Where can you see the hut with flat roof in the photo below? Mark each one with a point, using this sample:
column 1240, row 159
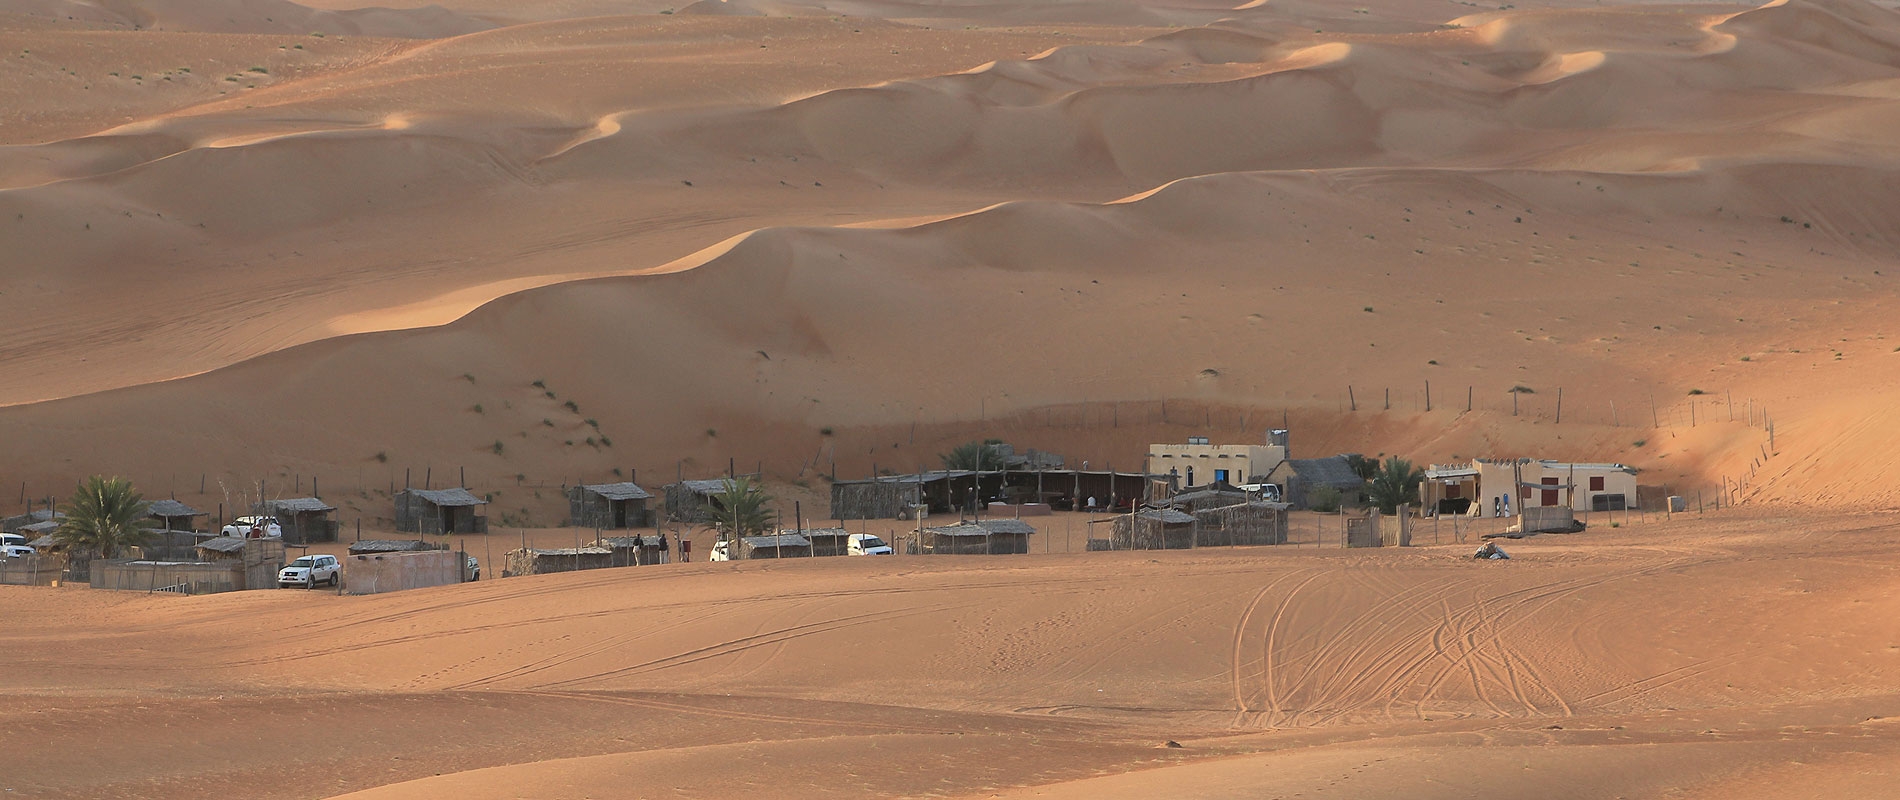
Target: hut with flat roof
column 826, row 541
column 687, row 501
column 303, row 519
column 609, row 506
column 15, row 523
column 1298, row 477
column 440, row 511
column 370, row 546
column 538, row 561
column 783, row 545
column 175, row 516
column 986, row 537
column 635, row 551
column 1154, row 529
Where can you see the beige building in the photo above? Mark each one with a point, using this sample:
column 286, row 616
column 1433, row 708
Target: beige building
column 1492, row 487
column 1199, row 462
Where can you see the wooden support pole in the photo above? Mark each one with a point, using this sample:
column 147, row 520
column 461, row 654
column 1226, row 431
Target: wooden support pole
column 1350, row 399
column 1428, row 395
column 1560, row 405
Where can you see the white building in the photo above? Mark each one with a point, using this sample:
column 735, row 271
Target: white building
column 1503, row 487
column 1200, row 462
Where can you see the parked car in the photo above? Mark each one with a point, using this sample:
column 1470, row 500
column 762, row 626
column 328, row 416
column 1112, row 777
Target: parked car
column 12, row 539
column 471, row 569
column 864, row 544
column 1269, row 492
column 16, row 551
column 254, row 528
column 309, row 571
column 721, row 551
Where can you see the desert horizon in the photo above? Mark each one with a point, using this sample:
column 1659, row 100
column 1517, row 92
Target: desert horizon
column 258, row 250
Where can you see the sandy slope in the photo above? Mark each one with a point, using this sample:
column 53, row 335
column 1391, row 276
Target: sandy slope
column 1474, row 184
column 1658, row 660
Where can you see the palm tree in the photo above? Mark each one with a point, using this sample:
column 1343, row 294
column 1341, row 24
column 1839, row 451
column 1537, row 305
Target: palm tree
column 1395, row 484
column 105, row 515
column 741, row 510
column 974, row 456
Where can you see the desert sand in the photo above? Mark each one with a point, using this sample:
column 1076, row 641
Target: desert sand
column 262, row 248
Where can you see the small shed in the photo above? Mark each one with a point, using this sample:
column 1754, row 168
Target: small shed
column 534, row 561
column 15, row 523
column 630, row 551
column 440, row 511
column 371, row 546
column 609, row 506
column 687, row 501
column 303, row 519
column 1215, row 495
column 784, row 545
column 175, row 516
column 259, row 559
column 1299, row 476
column 827, row 541
column 990, row 536
column 1154, row 529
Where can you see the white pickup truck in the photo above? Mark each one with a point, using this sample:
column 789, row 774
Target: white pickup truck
column 254, row 528
column 309, row 571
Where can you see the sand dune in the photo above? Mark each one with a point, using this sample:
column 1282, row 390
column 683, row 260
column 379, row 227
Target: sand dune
column 1646, row 661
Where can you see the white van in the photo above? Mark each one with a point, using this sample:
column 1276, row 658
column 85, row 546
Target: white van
column 864, row 544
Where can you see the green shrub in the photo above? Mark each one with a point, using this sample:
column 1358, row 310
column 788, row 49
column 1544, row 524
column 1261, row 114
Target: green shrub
column 1324, row 499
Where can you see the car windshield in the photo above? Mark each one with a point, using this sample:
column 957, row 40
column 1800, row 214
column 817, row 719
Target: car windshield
column 306, row 561
column 871, row 541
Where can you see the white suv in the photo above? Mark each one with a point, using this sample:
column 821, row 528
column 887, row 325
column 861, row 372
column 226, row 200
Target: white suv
column 309, row 571
column 16, row 551
column 254, row 528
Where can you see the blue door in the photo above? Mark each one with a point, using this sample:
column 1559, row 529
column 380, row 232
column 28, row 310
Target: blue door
column 1220, row 475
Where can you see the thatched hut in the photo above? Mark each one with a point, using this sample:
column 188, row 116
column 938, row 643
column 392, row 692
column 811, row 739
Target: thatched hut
column 988, row 537
column 175, row 516
column 688, row 501
column 1154, row 529
column 630, row 551
column 440, row 511
column 303, row 519
column 1214, row 495
column 1298, row 477
column 784, row 545
column 372, row 546
column 257, row 559
column 535, row 561
column 609, row 506
column 15, row 523
column 826, row 541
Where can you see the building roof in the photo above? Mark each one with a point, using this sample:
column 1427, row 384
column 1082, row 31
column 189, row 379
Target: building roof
column 389, row 546
column 818, row 533
column 41, row 527
column 173, row 508
column 1332, row 471
column 569, row 551
column 1013, row 526
column 298, row 505
column 958, row 474
column 708, row 486
column 222, row 544
column 1440, row 473
column 623, row 542
column 1599, row 467
column 617, row 491
column 781, row 540
column 1199, row 495
column 964, row 529
column 43, row 542
column 449, row 498
column 1167, row 516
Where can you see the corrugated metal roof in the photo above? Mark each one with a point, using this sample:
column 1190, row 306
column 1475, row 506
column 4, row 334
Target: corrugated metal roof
column 1167, row 516
column 222, row 544
column 43, row 542
column 451, row 498
column 1013, row 526
column 618, row 491
column 41, row 527
column 958, row 530
column 818, row 533
column 173, row 508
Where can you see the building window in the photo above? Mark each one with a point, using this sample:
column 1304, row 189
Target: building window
column 1596, row 483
